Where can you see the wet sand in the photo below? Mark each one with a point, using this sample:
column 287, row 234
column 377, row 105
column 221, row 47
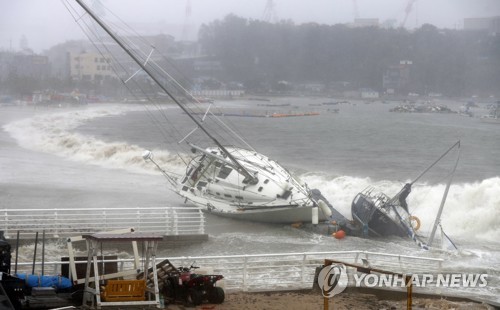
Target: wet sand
column 311, row 300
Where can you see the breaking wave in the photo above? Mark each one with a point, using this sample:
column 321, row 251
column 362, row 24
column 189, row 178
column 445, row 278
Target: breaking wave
column 472, row 210
column 53, row 133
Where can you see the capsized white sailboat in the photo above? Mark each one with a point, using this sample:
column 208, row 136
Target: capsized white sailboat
column 221, row 177
column 269, row 194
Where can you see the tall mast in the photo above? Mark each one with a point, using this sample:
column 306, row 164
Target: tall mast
column 249, row 178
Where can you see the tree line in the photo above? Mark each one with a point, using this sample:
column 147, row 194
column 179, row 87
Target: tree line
column 258, row 53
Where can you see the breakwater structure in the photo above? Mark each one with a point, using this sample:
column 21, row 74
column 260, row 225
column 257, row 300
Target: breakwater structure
column 269, row 115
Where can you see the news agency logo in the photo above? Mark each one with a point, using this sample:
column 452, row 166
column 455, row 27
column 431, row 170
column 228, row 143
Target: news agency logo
column 332, row 280
column 421, row 280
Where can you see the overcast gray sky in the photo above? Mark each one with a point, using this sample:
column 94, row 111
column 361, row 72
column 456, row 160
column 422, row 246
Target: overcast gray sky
column 46, row 23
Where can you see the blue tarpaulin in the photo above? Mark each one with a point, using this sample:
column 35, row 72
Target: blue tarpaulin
column 45, row 281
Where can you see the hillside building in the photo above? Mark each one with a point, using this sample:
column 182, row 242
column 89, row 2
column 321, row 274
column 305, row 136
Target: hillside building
column 88, row 66
column 22, row 64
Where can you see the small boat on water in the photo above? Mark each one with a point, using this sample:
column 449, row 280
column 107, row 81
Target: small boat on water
column 379, row 215
column 224, row 175
column 493, row 117
column 274, row 104
column 382, row 216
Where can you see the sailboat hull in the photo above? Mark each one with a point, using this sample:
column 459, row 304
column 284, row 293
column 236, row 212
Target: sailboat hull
column 277, row 214
column 381, row 223
column 284, row 215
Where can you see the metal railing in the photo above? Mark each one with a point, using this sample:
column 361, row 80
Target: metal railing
column 76, row 221
column 283, row 271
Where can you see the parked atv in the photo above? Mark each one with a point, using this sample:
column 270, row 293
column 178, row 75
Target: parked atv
column 185, row 286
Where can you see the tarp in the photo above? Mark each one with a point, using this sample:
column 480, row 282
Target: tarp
column 45, row 281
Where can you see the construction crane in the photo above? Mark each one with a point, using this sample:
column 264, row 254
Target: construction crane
column 187, row 15
column 270, row 12
column 409, row 7
column 355, row 9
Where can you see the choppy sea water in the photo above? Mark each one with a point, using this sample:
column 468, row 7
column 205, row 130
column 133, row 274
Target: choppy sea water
column 339, row 153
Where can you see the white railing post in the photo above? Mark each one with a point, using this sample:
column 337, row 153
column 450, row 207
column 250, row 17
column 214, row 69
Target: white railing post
column 6, row 221
column 138, row 220
column 303, row 269
column 245, row 261
column 202, row 222
column 56, row 221
column 175, row 228
column 105, row 219
column 167, row 226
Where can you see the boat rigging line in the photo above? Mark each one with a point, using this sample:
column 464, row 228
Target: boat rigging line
column 434, row 163
column 249, row 178
column 90, row 32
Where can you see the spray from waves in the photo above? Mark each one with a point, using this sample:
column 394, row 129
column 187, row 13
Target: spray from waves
column 340, row 191
column 52, row 133
column 471, row 211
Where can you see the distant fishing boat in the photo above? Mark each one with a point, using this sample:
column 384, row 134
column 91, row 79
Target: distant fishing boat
column 258, row 99
column 493, row 116
column 274, row 105
column 224, row 175
column 334, row 102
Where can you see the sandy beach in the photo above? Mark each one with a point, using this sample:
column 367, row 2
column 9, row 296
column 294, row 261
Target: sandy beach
column 311, row 300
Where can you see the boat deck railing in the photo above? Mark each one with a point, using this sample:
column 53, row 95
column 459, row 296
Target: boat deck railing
column 57, row 223
column 263, row 272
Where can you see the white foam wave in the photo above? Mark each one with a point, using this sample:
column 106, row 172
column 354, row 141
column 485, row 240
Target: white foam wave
column 53, row 133
column 471, row 211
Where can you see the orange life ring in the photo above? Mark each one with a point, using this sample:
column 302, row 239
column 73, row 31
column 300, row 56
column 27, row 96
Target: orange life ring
column 417, row 220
